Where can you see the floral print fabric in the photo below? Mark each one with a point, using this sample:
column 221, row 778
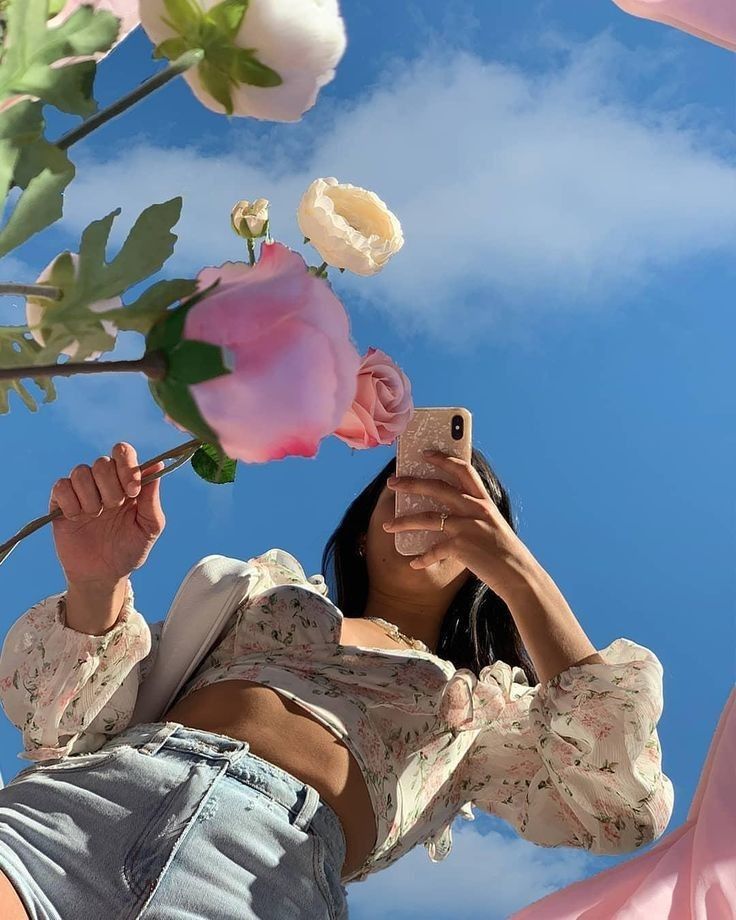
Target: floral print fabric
column 574, row 762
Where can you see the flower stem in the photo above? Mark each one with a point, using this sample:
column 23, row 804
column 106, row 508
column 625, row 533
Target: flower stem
column 31, row 290
column 153, row 364
column 182, row 63
column 183, row 453
column 322, row 270
column 251, row 251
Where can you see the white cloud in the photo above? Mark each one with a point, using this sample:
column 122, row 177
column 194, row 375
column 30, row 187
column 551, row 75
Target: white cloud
column 488, row 876
column 518, row 193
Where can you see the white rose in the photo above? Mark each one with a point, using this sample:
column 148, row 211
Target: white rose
column 249, row 219
column 36, row 307
column 349, row 226
column 301, row 40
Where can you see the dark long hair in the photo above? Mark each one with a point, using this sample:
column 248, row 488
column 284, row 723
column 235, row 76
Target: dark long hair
column 477, row 628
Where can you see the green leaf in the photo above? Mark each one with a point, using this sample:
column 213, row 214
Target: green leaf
column 31, row 47
column 90, row 338
column 39, row 168
column 18, row 349
column 248, row 70
column 228, row 15
column 217, row 83
column 193, row 361
column 141, row 315
column 213, row 465
column 148, row 246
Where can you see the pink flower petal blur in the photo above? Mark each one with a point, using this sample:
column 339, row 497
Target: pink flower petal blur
column 295, row 366
column 712, row 20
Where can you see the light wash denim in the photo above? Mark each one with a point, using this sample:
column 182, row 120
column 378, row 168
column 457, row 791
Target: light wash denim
column 167, row 822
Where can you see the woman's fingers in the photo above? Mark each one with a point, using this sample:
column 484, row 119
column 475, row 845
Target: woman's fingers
column 108, row 483
column 65, row 499
column 420, row 520
column 86, row 489
column 126, row 463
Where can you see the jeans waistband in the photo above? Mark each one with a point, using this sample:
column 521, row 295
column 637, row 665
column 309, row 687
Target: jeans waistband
column 299, row 798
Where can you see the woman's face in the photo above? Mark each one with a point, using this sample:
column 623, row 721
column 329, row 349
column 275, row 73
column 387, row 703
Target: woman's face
column 387, row 568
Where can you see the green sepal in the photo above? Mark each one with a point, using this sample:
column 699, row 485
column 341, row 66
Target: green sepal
column 192, row 361
column 171, row 48
column 218, row 84
column 227, row 16
column 168, row 331
column 246, row 69
column 173, row 394
column 176, row 400
column 185, row 15
column 213, row 465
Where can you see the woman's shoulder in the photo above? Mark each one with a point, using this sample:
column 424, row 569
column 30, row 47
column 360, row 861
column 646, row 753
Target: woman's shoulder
column 284, row 560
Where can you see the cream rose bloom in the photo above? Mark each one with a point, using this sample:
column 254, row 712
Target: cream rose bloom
column 349, row 226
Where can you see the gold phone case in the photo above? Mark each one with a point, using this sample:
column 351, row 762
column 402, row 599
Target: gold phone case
column 429, row 428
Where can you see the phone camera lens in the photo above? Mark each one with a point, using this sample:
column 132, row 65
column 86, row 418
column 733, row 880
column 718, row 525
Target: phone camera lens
column 457, row 427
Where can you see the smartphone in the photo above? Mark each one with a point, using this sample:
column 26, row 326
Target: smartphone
column 448, row 429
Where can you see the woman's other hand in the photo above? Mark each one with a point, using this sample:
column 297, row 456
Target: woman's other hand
column 108, row 524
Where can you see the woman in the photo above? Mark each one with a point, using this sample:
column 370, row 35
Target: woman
column 317, row 742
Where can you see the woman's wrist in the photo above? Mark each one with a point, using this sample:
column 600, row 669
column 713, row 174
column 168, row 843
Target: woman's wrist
column 547, row 625
column 94, row 606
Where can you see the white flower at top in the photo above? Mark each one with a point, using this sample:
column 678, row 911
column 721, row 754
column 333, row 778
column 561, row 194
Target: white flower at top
column 265, row 59
column 350, row 227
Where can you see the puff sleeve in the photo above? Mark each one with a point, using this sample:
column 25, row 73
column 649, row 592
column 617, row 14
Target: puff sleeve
column 67, row 691
column 575, row 761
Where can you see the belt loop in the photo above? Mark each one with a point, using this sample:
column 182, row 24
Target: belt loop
column 308, row 809
column 158, row 739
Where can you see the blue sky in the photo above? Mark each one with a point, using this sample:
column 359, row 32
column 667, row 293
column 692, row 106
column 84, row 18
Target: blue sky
column 565, row 177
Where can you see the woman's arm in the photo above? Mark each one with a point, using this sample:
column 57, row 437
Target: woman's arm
column 548, row 627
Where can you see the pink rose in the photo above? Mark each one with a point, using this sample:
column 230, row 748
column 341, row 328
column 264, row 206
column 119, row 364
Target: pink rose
column 125, row 10
column 293, row 362
column 382, row 407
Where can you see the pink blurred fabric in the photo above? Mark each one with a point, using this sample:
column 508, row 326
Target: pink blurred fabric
column 689, row 875
column 713, row 20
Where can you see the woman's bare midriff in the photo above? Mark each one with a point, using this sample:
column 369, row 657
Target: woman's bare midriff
column 289, row 736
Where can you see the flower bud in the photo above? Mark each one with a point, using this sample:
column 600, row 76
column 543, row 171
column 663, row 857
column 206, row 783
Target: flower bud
column 250, row 219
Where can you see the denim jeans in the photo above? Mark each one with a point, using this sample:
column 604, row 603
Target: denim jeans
column 166, row 822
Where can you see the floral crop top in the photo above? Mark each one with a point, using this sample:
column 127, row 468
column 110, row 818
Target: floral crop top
column 574, row 761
